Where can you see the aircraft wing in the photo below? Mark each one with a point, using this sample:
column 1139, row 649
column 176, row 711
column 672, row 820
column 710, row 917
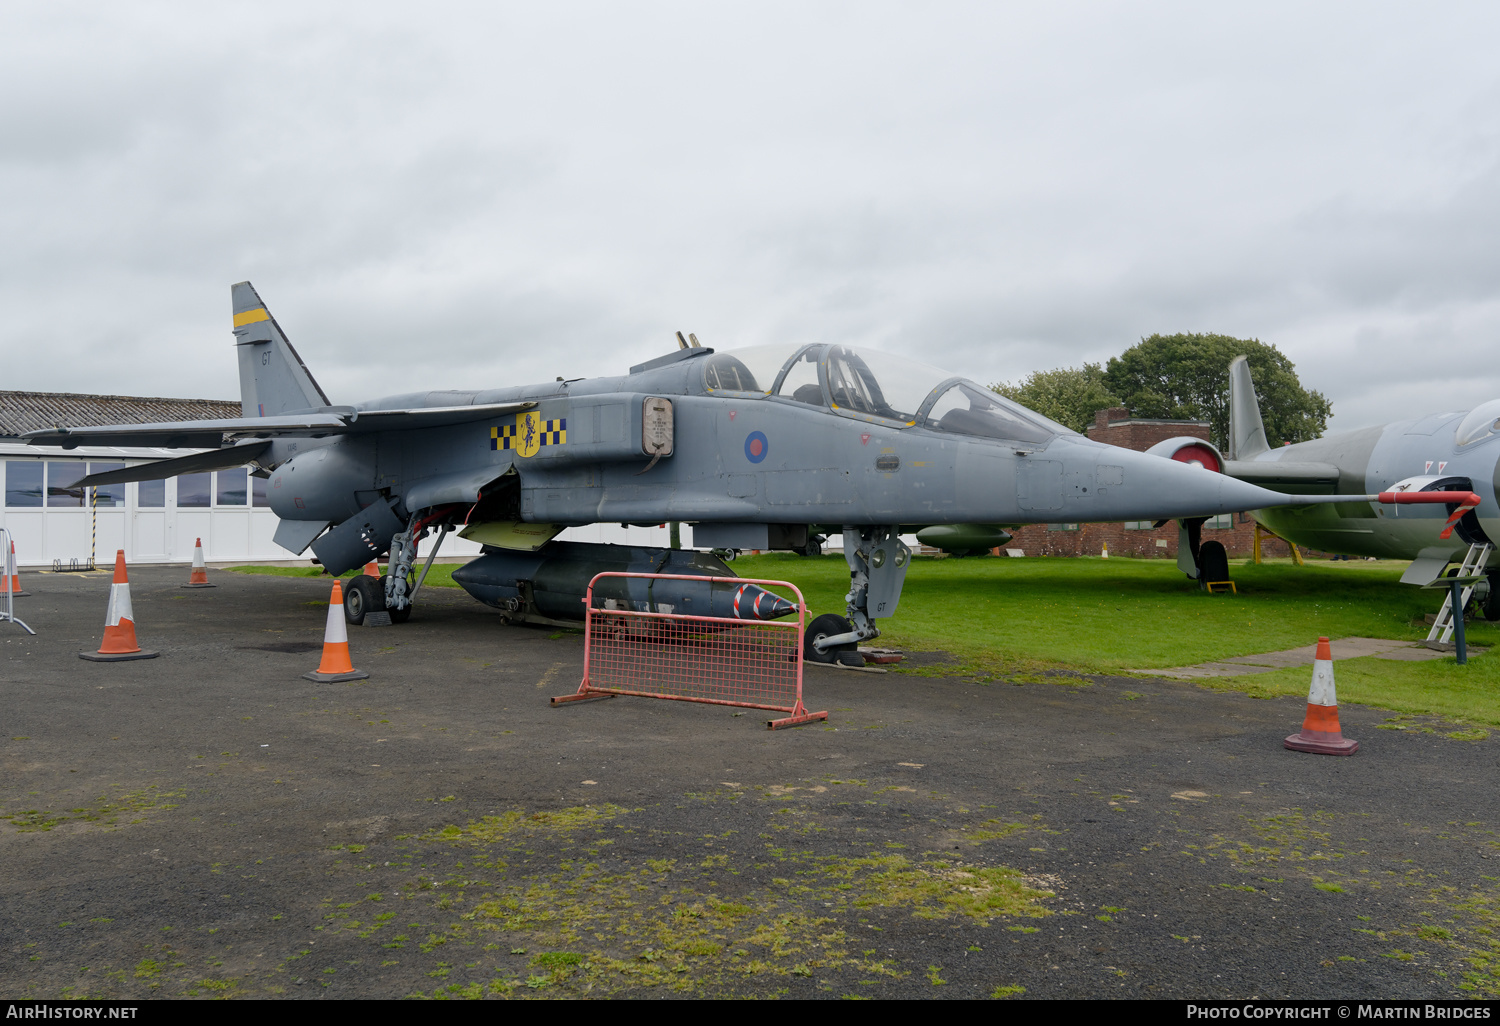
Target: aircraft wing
column 434, row 416
column 1269, row 473
column 210, row 434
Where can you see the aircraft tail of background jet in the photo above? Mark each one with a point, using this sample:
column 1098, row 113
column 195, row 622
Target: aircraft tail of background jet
column 1247, row 433
column 273, row 379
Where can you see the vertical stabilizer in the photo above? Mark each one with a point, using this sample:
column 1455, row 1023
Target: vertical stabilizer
column 273, row 378
column 1247, row 434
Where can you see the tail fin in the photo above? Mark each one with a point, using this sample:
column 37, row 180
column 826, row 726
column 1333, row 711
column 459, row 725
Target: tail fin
column 1247, row 434
column 273, row 378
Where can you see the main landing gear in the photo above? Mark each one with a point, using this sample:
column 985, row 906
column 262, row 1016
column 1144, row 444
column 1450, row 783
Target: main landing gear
column 394, row 594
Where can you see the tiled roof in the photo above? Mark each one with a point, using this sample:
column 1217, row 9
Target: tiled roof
column 32, row 411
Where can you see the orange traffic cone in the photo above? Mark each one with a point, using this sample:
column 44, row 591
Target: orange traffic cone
column 372, row 569
column 335, row 665
column 119, row 623
column 199, row 577
column 10, row 579
column 1320, row 728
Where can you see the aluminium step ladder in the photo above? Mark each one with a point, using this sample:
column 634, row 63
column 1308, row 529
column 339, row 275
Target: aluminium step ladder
column 1473, row 565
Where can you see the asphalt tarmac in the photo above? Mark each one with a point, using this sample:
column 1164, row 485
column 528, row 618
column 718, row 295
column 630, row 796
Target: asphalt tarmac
column 207, row 823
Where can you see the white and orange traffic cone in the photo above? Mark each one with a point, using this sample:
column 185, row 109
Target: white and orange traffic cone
column 335, row 665
column 199, row 577
column 10, row 579
column 1104, row 551
column 372, row 569
column 119, row 623
column 1320, row 727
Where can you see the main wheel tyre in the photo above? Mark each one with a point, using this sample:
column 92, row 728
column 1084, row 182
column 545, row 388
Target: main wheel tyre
column 361, row 597
column 1213, row 563
column 1491, row 605
column 826, row 626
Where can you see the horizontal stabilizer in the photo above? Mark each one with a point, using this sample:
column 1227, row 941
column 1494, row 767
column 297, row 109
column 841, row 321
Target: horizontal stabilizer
column 210, row 434
column 219, row 459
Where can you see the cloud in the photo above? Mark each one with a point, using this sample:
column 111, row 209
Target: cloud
column 477, row 194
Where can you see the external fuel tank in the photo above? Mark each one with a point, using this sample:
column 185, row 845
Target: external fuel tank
column 551, row 583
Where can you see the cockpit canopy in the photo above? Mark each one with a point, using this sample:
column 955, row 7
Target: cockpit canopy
column 1482, row 422
column 867, row 384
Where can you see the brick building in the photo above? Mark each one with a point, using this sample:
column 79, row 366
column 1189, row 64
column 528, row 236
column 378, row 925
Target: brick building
column 1236, row 532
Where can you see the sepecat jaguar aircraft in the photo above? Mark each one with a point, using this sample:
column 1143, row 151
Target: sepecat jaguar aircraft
column 750, row 446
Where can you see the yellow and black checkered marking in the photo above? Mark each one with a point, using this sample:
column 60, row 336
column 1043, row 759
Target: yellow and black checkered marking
column 528, row 434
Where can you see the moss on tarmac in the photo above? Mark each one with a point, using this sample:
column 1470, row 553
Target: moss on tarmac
column 208, row 824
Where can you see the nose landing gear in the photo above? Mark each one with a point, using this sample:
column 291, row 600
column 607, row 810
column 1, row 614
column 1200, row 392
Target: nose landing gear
column 878, row 561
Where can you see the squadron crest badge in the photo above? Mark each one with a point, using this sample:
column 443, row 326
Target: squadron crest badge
column 529, row 433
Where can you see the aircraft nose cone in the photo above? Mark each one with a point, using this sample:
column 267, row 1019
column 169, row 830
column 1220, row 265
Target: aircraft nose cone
column 1156, row 488
column 752, row 602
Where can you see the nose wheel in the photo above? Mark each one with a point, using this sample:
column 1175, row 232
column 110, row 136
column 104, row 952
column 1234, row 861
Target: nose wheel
column 826, row 626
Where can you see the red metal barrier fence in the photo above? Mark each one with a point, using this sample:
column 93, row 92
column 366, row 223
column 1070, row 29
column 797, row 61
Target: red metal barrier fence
column 754, row 664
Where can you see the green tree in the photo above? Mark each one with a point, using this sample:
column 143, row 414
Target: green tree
column 1186, row 377
column 1069, row 395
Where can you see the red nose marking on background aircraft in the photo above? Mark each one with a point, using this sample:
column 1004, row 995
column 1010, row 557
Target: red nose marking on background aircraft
column 1197, row 456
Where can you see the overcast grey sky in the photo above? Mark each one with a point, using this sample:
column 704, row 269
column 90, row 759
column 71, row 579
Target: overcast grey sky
column 456, row 195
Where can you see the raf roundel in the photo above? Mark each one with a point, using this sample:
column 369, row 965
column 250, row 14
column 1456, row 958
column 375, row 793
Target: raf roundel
column 756, row 446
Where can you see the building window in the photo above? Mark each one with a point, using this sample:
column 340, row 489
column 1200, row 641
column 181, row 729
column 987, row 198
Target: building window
column 259, row 491
column 1062, row 527
column 229, row 486
column 1139, row 525
column 151, row 494
column 23, row 483
column 194, row 491
column 61, row 481
column 1220, row 523
column 111, row 495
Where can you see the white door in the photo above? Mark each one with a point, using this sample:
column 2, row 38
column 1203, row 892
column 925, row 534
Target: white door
column 148, row 538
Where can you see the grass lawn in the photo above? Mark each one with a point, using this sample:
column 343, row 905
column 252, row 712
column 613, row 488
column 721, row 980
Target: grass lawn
column 440, row 576
column 1016, row 617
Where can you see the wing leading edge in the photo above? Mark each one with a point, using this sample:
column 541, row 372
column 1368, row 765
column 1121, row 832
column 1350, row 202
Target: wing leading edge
column 211, row 434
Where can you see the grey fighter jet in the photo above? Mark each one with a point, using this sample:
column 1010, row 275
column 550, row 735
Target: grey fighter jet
column 1440, row 452
column 751, row 446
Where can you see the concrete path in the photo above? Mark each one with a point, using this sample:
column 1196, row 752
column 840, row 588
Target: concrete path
column 1344, row 648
